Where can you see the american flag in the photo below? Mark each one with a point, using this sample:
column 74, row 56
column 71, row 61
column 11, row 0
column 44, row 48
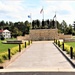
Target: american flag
column 41, row 10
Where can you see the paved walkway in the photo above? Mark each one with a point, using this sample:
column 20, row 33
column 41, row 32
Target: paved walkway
column 41, row 55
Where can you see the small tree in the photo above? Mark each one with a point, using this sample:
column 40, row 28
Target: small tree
column 16, row 32
column 33, row 24
column 38, row 23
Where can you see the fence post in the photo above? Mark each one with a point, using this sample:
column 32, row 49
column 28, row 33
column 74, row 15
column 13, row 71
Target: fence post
column 71, row 52
column 19, row 47
column 63, row 46
column 25, row 44
column 9, row 56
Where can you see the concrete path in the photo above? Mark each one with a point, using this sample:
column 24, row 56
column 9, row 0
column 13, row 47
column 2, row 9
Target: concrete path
column 41, row 55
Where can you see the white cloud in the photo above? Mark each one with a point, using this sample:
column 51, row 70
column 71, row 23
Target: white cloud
column 12, row 8
column 64, row 10
column 18, row 10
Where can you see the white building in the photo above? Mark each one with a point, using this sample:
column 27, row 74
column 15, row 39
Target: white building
column 6, row 33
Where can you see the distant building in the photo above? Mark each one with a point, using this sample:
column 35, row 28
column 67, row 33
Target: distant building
column 5, row 33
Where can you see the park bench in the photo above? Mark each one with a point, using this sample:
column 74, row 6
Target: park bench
column 14, row 42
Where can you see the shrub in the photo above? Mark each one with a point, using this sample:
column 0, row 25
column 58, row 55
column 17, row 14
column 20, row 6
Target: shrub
column 27, row 43
column 2, row 38
column 74, row 52
column 22, row 45
column 1, row 60
column 61, row 44
column 14, row 50
column 67, row 48
column 3, row 57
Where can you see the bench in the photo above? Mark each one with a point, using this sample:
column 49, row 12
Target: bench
column 14, row 42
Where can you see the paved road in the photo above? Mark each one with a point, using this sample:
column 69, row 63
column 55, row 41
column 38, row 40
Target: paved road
column 40, row 55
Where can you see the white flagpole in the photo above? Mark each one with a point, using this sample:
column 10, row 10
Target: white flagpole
column 31, row 19
column 55, row 20
column 43, row 13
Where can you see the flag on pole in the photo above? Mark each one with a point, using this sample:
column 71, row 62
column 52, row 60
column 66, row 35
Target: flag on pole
column 41, row 11
column 29, row 16
column 54, row 16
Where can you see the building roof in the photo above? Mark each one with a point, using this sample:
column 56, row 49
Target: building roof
column 6, row 30
column 1, row 31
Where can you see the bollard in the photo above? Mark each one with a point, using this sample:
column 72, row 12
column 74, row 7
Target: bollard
column 63, row 46
column 56, row 41
column 71, row 52
column 29, row 42
column 9, row 56
column 19, row 47
column 59, row 43
column 25, row 44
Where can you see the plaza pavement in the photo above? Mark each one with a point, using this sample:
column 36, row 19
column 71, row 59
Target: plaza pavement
column 41, row 56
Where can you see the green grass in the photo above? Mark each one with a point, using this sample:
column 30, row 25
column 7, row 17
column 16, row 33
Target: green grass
column 71, row 44
column 4, row 47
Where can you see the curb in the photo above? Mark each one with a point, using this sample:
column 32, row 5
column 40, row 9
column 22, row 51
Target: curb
column 65, row 55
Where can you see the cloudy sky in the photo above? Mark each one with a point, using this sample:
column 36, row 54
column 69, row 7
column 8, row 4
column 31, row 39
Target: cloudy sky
column 18, row 10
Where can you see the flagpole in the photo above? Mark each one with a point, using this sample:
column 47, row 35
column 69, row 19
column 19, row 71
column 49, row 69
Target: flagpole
column 43, row 13
column 55, row 21
column 31, row 19
column 30, row 16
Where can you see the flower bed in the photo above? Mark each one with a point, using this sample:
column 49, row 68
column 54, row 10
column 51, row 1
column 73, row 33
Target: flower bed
column 14, row 50
column 66, row 47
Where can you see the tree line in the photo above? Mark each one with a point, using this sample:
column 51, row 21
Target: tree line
column 16, row 28
column 62, row 27
column 37, row 24
column 22, row 28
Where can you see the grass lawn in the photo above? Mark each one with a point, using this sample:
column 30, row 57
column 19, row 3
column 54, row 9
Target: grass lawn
column 71, row 44
column 4, row 47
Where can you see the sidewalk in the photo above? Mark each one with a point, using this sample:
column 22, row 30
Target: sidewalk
column 41, row 55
